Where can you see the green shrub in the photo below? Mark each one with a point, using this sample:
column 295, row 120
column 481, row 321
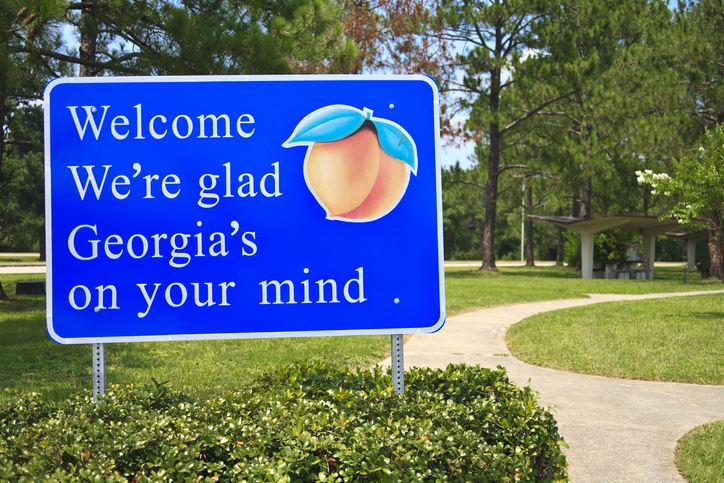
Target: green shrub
column 305, row 422
column 572, row 248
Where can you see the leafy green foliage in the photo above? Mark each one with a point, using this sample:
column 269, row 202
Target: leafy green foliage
column 463, row 201
column 698, row 44
column 21, row 181
column 698, row 178
column 698, row 183
column 613, row 244
column 305, row 422
column 493, row 37
column 572, row 253
column 462, row 212
column 217, row 37
column 21, row 124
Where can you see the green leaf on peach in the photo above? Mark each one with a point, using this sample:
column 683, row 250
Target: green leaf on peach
column 326, row 125
column 396, row 142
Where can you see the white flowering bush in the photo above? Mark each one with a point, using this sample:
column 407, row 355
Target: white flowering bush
column 655, row 180
column 698, row 182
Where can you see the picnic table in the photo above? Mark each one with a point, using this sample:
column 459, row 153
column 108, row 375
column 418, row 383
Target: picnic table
column 621, row 269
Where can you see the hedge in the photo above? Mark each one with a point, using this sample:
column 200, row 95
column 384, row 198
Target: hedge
column 305, row 422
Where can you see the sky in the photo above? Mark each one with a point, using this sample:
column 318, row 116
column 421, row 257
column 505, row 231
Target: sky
column 451, row 155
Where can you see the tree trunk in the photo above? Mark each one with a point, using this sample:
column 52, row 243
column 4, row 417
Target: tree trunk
column 3, row 295
column 491, row 195
column 576, row 213
column 87, row 47
column 716, row 246
column 586, row 198
column 529, row 228
column 491, row 188
column 560, row 250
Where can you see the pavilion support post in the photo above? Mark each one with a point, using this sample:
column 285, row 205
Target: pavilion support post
column 587, row 255
column 691, row 255
column 648, row 253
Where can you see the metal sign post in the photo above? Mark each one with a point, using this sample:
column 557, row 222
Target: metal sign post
column 398, row 365
column 99, row 371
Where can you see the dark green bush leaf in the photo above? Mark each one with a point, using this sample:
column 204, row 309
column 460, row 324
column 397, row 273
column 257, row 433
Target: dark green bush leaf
column 305, row 422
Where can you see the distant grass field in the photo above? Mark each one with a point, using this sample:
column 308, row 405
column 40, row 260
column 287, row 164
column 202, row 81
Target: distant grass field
column 467, row 289
column 18, row 259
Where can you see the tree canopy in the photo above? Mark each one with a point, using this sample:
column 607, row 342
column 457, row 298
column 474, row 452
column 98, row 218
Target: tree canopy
column 597, row 91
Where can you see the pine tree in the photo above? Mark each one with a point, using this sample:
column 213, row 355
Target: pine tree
column 497, row 36
column 626, row 107
column 22, row 78
column 699, row 51
column 699, row 45
column 157, row 37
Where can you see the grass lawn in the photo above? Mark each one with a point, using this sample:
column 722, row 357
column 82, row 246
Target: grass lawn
column 677, row 339
column 31, row 362
column 700, row 454
column 466, row 289
column 18, row 259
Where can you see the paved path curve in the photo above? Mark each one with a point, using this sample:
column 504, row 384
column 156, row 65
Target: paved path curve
column 618, row 430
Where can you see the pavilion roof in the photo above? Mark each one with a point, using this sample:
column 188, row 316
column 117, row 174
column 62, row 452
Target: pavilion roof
column 694, row 236
column 626, row 221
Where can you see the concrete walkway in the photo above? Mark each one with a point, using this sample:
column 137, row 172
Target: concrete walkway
column 25, row 267
column 22, row 268
column 618, row 430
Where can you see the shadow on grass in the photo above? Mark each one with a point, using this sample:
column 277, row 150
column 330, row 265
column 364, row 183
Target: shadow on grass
column 19, row 259
column 673, row 274
column 536, row 272
column 703, row 315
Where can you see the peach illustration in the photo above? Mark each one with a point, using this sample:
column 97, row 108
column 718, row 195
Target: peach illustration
column 342, row 173
column 388, row 189
column 357, row 166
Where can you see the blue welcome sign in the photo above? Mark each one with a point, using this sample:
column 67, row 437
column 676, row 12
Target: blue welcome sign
column 182, row 208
